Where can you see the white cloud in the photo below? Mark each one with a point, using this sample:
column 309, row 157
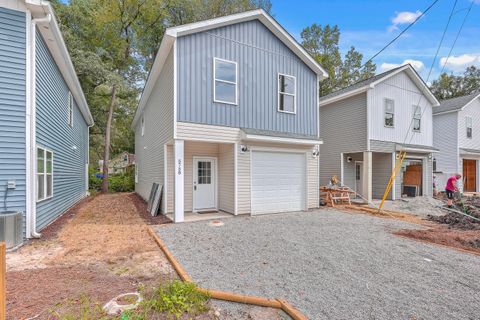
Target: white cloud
column 416, row 64
column 460, row 63
column 404, row 17
column 475, row 1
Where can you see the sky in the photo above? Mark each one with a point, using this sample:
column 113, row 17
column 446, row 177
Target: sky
column 368, row 25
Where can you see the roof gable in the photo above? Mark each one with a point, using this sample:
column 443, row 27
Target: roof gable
column 371, row 82
column 456, row 104
column 173, row 33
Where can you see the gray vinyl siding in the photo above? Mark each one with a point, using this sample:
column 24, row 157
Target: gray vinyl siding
column 343, row 128
column 381, row 172
column 445, row 139
column 473, row 111
column 12, row 107
column 68, row 144
column 260, row 56
column 159, row 121
column 382, row 146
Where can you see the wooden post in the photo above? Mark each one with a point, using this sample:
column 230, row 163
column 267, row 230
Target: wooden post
column 3, row 283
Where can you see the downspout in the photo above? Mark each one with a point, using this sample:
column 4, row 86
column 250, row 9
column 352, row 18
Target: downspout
column 31, row 122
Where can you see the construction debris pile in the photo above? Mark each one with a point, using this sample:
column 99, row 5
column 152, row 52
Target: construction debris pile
column 468, row 221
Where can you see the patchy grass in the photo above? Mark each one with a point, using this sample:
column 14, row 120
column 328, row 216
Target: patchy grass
column 172, row 299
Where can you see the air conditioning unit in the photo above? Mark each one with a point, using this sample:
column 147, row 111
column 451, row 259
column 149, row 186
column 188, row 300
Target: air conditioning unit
column 11, row 231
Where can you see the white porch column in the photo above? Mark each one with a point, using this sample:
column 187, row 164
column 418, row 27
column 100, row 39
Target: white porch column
column 394, row 161
column 367, row 175
column 179, row 180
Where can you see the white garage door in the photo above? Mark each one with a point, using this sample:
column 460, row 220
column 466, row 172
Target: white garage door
column 278, row 182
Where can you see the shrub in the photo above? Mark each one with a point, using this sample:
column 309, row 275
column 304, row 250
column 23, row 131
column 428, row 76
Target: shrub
column 124, row 182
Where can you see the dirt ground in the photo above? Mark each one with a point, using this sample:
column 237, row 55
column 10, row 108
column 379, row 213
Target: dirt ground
column 100, row 248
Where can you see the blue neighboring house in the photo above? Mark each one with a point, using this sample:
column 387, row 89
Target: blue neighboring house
column 44, row 117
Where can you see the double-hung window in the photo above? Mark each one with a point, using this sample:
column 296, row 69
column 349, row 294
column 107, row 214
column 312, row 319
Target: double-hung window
column 70, row 109
column 286, row 93
column 389, row 113
column 225, row 80
column 469, row 125
column 143, row 124
column 44, row 174
column 417, row 117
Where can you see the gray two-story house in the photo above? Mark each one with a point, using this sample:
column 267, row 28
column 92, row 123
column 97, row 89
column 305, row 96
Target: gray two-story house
column 228, row 119
column 456, row 127
column 44, row 117
column 365, row 126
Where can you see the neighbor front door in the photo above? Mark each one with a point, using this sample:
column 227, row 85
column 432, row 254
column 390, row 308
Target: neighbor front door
column 470, row 175
column 204, row 180
column 359, row 178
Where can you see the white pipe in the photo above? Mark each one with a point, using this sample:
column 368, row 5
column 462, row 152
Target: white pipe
column 32, row 114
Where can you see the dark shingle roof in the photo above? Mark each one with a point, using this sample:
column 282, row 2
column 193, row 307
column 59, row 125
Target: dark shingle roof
column 279, row 134
column 359, row 84
column 455, row 104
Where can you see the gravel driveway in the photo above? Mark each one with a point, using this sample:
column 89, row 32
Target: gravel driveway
column 331, row 265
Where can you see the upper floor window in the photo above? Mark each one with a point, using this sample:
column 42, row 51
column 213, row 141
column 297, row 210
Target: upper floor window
column 143, row 124
column 286, row 93
column 417, row 117
column 225, row 81
column 70, row 109
column 44, row 174
column 469, row 125
column 389, row 110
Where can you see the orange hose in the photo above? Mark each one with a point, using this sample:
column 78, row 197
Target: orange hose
column 228, row 296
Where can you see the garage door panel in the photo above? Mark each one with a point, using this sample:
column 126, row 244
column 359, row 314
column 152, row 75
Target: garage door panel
column 278, row 182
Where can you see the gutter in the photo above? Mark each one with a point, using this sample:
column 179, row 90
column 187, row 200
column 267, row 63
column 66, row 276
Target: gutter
column 31, row 214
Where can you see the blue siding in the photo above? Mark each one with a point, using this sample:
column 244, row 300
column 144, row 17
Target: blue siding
column 12, row 107
column 54, row 133
column 260, row 56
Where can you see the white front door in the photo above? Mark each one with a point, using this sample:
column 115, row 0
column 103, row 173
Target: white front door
column 204, row 180
column 359, row 177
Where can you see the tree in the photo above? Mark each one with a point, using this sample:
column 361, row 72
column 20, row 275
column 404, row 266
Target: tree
column 322, row 44
column 449, row 86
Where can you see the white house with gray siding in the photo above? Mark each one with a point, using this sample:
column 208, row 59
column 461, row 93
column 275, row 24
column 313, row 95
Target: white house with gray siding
column 44, row 117
column 364, row 126
column 228, row 119
column 456, row 133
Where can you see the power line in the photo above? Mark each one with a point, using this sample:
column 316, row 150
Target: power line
column 401, row 33
column 458, row 34
column 429, row 73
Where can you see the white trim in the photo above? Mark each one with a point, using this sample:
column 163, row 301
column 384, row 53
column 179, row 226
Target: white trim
column 165, row 178
column 58, row 50
column 179, row 178
column 277, row 149
column 175, row 89
column 214, row 160
column 253, row 137
column 317, row 86
column 369, row 111
column 343, row 96
column 294, row 95
column 415, row 107
column 29, row 127
column 414, row 150
column 235, row 178
column 467, row 117
column 468, row 103
column 142, row 122
column 44, row 173
column 215, row 59
column 394, row 161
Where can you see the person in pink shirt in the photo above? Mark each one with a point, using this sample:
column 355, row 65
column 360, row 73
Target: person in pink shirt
column 451, row 188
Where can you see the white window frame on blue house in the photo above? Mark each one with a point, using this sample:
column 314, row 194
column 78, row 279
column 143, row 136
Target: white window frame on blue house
column 215, row 80
column 46, row 195
column 280, row 93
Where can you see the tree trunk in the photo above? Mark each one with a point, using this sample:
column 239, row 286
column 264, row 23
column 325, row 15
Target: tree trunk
column 106, row 150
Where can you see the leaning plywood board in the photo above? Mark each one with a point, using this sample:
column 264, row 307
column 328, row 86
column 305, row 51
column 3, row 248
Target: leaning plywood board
column 156, row 201
column 153, row 191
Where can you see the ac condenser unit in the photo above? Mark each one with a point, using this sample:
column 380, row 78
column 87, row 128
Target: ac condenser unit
column 11, row 228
